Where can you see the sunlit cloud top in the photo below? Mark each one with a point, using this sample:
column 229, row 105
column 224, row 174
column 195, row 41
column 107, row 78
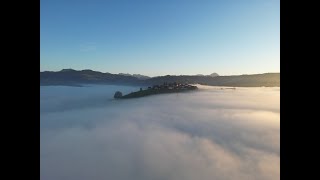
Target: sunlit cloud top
column 210, row 134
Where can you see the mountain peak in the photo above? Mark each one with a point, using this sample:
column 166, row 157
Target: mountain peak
column 214, row 74
column 67, row 70
column 139, row 76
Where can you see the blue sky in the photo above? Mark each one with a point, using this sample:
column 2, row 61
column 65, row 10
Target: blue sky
column 160, row 37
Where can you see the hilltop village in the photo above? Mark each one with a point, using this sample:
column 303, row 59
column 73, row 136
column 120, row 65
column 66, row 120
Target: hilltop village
column 157, row 89
column 172, row 86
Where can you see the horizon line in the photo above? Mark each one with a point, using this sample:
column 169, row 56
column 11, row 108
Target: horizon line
column 121, row 73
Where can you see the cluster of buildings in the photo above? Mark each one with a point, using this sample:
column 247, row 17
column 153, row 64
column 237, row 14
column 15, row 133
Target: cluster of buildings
column 173, row 86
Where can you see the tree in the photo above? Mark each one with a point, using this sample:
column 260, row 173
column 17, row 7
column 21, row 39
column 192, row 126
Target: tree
column 118, row 94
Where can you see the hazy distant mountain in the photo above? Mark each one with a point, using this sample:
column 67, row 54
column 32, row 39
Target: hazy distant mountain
column 142, row 77
column 139, row 76
column 74, row 77
column 125, row 74
column 213, row 75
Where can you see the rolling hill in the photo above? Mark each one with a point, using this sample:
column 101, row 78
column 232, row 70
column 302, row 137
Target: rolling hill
column 75, row 78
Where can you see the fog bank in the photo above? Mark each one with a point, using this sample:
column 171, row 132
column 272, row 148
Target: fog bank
column 209, row 134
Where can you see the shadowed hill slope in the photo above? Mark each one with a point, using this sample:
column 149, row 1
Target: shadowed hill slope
column 268, row 79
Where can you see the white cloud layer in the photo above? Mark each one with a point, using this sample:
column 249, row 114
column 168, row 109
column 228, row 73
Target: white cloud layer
column 211, row 134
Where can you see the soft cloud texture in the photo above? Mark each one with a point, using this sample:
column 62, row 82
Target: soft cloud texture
column 211, row 134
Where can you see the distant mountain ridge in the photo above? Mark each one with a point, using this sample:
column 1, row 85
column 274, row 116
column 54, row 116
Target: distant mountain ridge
column 139, row 76
column 212, row 75
column 73, row 77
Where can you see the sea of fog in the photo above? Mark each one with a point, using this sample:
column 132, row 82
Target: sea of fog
column 209, row 134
